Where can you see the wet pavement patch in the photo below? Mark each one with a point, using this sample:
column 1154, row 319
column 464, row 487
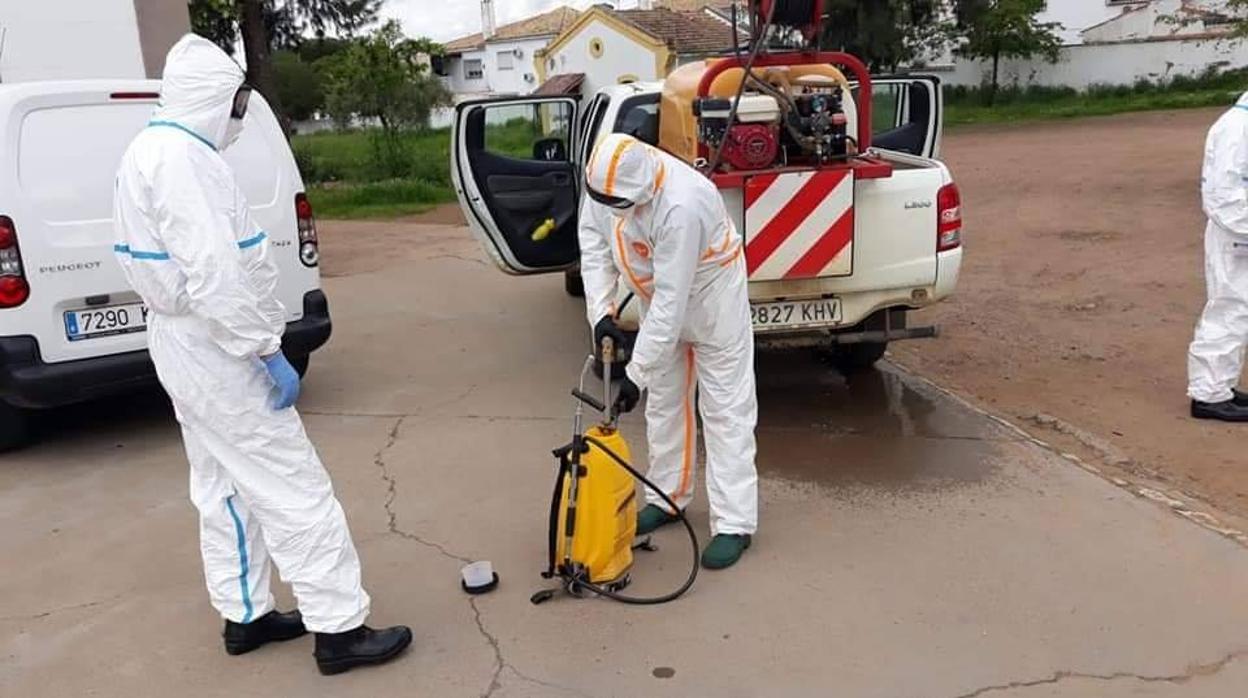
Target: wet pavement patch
column 874, row 429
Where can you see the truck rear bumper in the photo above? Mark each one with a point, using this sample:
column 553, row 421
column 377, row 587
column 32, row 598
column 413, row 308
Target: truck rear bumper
column 26, row 381
column 881, row 327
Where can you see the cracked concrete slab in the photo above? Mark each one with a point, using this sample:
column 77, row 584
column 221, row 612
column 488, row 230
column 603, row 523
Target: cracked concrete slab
column 909, row 546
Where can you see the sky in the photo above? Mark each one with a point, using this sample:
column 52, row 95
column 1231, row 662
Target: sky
column 443, row 20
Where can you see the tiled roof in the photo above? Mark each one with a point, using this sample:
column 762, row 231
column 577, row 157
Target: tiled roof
column 565, row 84
column 693, row 5
column 684, row 32
column 545, row 24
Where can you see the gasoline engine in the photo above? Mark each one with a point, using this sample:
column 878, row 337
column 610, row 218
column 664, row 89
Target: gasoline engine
column 777, row 119
column 805, row 125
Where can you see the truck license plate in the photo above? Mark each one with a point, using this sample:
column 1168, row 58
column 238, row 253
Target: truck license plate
column 796, row 314
column 105, row 321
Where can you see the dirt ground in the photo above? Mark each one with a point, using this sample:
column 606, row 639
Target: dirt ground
column 1081, row 286
column 909, row 546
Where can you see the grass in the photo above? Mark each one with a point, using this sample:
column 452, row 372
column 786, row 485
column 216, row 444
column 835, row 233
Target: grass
column 357, row 174
column 391, row 198
column 969, row 105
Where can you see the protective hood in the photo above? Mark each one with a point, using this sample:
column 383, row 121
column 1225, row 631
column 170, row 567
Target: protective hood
column 198, row 89
column 624, row 167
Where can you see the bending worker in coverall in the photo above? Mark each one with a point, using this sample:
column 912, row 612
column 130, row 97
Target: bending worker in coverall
column 1216, row 359
column 660, row 226
column 190, row 248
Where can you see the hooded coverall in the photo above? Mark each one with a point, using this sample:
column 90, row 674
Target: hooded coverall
column 189, row 246
column 677, row 249
column 1216, row 358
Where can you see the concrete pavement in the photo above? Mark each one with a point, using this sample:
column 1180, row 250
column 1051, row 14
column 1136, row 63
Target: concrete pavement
column 909, row 547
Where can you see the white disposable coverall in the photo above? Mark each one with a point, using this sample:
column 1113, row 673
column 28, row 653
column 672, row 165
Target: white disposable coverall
column 679, row 252
column 189, row 247
column 1216, row 358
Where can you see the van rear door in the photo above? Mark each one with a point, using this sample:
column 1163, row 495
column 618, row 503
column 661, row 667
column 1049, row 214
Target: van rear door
column 61, row 149
column 61, row 144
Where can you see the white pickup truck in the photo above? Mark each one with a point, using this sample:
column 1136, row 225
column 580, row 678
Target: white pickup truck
column 517, row 168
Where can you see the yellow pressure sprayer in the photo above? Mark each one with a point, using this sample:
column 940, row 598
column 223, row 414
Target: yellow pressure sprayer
column 593, row 512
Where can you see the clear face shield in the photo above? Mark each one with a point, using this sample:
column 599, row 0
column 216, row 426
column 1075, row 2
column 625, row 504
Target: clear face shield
column 620, row 207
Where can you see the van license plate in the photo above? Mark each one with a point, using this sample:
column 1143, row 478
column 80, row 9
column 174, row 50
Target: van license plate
column 105, row 321
column 796, row 314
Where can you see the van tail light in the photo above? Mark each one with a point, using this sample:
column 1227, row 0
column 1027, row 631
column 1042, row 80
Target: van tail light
column 949, row 218
column 13, row 287
column 309, row 252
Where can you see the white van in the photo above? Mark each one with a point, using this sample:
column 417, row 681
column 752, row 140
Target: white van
column 70, row 327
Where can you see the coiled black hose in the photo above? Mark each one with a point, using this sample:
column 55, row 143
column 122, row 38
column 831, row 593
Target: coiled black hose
column 693, row 539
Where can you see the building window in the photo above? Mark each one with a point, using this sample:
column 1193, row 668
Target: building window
column 506, row 60
column 473, row 69
column 595, row 47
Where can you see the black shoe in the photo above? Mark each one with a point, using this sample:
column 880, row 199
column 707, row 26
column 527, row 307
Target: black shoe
column 241, row 638
column 1228, row 411
column 338, row 652
column 1241, row 398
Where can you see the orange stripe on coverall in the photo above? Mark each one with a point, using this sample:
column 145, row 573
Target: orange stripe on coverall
column 691, row 431
column 638, row 283
column 609, row 187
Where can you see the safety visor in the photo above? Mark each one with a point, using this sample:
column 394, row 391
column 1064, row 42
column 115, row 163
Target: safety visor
column 612, row 201
column 239, row 109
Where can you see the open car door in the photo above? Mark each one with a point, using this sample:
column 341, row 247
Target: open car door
column 907, row 114
column 511, row 162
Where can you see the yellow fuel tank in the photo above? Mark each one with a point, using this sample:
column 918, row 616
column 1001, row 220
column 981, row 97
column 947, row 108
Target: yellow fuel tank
column 606, row 512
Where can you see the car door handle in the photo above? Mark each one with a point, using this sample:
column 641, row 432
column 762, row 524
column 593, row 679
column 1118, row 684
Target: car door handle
column 561, row 179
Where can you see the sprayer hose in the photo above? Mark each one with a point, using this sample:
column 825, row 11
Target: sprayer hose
column 693, row 539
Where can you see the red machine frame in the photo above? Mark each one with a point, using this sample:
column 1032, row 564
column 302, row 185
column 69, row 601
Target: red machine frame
column 865, row 167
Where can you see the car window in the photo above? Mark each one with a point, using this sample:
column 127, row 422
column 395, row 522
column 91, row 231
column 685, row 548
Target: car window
column 529, row 131
column 639, row 118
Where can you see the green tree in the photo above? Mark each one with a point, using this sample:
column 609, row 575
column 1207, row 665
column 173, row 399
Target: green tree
column 1237, row 12
column 267, row 25
column 384, row 77
column 996, row 29
column 884, row 33
column 298, row 85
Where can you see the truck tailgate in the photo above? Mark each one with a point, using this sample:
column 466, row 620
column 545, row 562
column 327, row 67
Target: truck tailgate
column 893, row 242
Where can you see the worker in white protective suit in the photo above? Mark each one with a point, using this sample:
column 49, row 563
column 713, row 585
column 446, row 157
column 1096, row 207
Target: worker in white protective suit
column 1216, row 358
column 658, row 225
column 206, row 271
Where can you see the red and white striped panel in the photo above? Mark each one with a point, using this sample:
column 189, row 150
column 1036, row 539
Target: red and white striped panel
column 799, row 225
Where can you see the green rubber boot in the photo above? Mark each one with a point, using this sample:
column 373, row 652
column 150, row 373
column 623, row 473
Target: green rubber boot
column 724, row 551
column 651, row 518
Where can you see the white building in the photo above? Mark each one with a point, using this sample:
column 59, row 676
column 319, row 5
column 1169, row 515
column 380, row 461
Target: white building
column 1162, row 19
column 499, row 60
column 608, row 46
column 1077, row 15
column 65, row 39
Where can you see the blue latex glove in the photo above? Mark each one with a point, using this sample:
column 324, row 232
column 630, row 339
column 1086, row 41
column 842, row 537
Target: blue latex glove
column 284, row 377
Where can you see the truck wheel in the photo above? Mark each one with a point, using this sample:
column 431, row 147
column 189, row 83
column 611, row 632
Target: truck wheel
column 14, row 427
column 573, row 284
column 300, row 364
column 856, row 358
